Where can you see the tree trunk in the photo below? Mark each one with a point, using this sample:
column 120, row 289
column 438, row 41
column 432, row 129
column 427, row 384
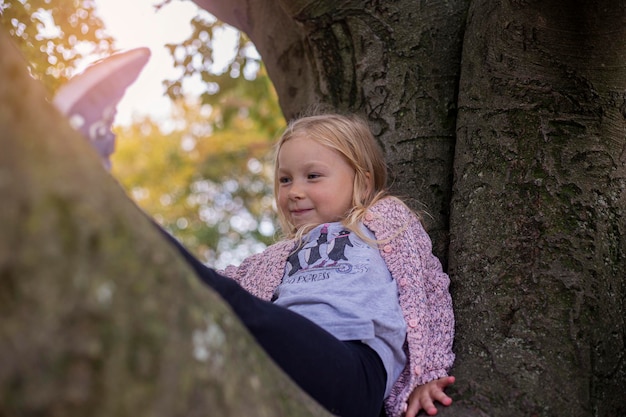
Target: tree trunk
column 99, row 315
column 538, row 223
column 537, row 208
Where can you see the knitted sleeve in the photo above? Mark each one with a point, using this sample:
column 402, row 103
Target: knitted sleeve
column 260, row 274
column 423, row 294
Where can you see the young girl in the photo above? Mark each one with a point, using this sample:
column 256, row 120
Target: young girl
column 351, row 303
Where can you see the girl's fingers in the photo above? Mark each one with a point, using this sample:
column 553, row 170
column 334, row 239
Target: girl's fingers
column 443, row 398
column 444, row 382
column 423, row 397
column 430, row 408
column 413, row 408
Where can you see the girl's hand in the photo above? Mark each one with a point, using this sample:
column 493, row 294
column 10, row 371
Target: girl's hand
column 424, row 396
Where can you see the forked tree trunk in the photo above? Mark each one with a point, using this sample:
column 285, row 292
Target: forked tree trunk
column 99, row 316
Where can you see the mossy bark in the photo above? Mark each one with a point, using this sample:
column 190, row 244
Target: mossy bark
column 100, row 317
column 539, row 208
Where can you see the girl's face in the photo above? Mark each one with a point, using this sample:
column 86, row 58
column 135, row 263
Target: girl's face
column 315, row 182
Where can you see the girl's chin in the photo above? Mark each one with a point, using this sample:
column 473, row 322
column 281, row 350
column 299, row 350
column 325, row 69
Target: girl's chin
column 300, row 223
column 302, row 219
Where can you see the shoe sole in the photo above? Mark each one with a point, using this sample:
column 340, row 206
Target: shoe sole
column 79, row 85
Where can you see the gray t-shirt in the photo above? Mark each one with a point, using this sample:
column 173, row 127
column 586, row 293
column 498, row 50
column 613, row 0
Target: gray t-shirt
column 340, row 282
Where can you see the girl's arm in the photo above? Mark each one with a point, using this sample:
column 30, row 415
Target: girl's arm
column 439, row 332
column 425, row 300
column 439, row 309
column 261, row 273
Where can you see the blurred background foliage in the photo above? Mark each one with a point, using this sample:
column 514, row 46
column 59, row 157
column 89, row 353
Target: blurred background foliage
column 212, row 188
column 205, row 172
column 55, row 35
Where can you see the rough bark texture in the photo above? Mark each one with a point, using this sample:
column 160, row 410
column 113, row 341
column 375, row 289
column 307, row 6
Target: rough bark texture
column 539, row 208
column 99, row 316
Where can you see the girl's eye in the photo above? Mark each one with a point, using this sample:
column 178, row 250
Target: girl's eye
column 284, row 180
column 313, row 176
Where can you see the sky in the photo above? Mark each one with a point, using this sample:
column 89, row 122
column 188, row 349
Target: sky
column 135, row 23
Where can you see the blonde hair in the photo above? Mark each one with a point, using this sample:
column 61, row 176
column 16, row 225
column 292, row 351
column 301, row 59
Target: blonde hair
column 353, row 139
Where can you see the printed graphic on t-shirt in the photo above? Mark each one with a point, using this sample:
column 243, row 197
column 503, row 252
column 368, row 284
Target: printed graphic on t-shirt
column 328, row 251
column 340, row 281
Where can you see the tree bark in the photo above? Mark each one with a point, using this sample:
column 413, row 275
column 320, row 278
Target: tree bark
column 99, row 315
column 538, row 222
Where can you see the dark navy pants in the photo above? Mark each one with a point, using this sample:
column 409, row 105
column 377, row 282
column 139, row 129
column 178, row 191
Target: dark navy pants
column 346, row 377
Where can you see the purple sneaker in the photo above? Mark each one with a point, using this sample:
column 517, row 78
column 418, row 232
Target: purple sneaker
column 90, row 98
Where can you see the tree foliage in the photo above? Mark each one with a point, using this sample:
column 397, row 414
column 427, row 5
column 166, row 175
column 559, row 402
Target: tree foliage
column 54, row 36
column 239, row 86
column 214, row 156
column 210, row 187
column 217, row 157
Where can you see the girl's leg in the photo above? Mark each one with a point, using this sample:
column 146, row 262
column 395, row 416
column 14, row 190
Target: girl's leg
column 347, row 378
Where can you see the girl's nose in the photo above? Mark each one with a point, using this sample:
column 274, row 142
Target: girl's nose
column 295, row 192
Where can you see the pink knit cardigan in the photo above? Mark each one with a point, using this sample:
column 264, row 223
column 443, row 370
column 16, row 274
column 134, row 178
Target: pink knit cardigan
column 422, row 288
